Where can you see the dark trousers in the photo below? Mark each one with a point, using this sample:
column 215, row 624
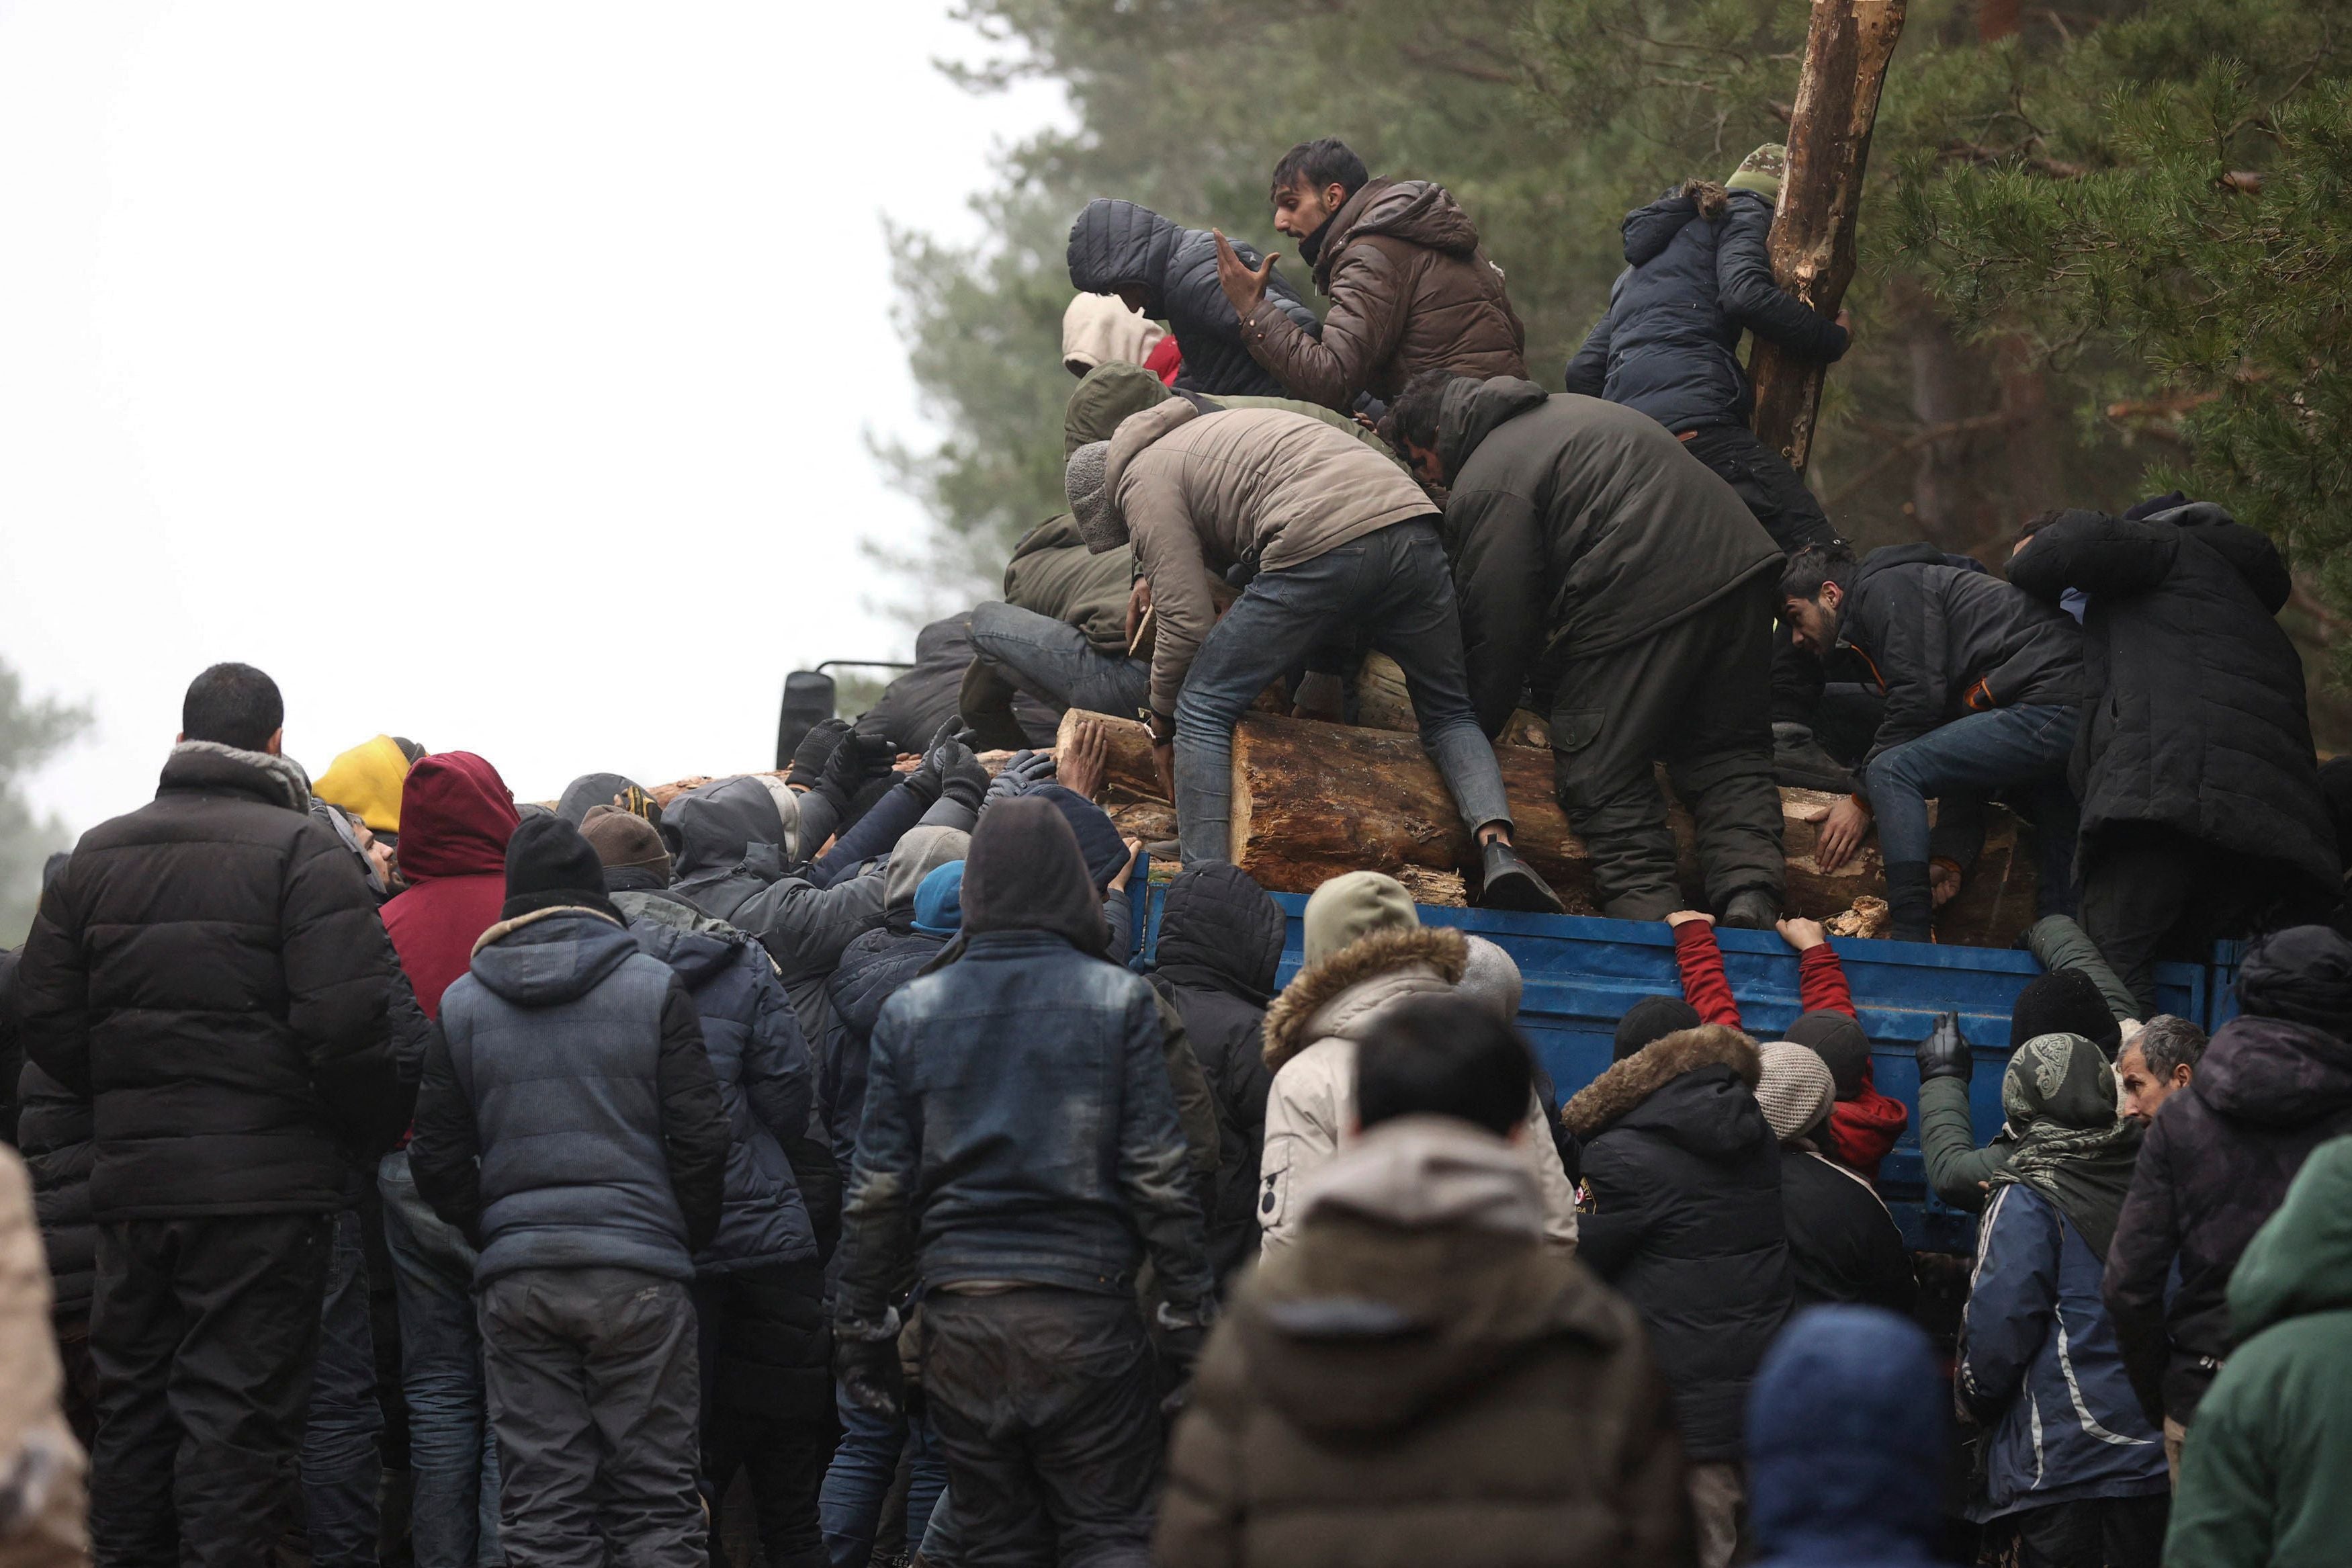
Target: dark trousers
column 2151, row 893
column 767, row 1401
column 341, row 1461
column 204, row 1333
column 2095, row 1533
column 1775, row 493
column 1046, row 1405
column 1694, row 697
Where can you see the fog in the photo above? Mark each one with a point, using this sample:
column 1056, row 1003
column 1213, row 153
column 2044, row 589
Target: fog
column 494, row 375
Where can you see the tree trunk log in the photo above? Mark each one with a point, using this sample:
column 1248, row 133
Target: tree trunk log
column 1847, row 47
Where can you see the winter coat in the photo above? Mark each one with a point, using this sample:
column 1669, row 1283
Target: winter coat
column 571, row 1066
column 1956, row 1167
column 871, row 971
column 1110, row 394
column 2262, row 1477
column 2215, row 1164
column 1687, row 1218
column 217, row 926
column 2198, row 720
column 765, row 1087
column 1053, row 573
column 914, row 706
column 2040, row 1369
column 1115, row 244
column 45, row 1508
column 453, row 856
column 1048, row 1153
column 1946, row 641
column 53, row 1133
column 1420, row 1381
column 1410, row 291
column 1669, row 344
column 1843, row 1244
column 1220, row 945
column 1201, row 493
column 1576, row 527
column 1312, row 1033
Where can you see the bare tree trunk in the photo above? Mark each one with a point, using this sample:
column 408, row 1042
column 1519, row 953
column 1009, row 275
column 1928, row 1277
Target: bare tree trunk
column 1846, row 51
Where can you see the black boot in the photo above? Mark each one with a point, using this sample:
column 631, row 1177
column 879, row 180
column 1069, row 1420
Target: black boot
column 1910, row 902
column 1510, row 884
column 1752, row 908
column 984, row 702
column 1799, row 761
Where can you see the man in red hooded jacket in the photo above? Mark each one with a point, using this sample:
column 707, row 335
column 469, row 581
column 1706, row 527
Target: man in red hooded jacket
column 455, row 817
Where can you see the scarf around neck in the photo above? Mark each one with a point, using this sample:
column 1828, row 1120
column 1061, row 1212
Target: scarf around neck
column 2059, row 1095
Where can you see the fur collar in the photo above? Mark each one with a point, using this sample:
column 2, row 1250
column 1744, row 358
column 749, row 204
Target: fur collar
column 1628, row 1083
column 1443, row 948
column 508, row 928
column 282, row 772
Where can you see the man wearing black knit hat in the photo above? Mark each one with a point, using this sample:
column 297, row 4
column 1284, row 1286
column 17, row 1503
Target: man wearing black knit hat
column 569, row 1124
column 2063, row 1002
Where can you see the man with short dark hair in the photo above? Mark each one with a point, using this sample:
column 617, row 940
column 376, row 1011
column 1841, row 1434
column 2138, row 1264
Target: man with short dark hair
column 1410, row 287
column 1984, row 687
column 2157, row 1063
column 209, row 973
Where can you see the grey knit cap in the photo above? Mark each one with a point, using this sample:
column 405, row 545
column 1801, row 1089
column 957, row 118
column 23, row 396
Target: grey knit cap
column 1796, row 1089
column 1492, row 978
column 1082, row 480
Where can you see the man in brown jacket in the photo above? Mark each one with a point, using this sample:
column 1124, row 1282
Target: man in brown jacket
column 1417, row 1379
column 1335, row 538
column 1410, row 287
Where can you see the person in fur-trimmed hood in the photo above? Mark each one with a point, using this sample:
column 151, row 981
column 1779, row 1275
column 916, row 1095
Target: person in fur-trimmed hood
column 1365, row 952
column 1684, row 1176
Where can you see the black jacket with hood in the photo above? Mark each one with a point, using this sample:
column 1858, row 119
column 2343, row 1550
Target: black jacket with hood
column 1576, row 527
column 1669, row 344
column 1686, row 1182
column 2198, row 721
column 914, row 706
column 1946, row 641
column 1116, row 243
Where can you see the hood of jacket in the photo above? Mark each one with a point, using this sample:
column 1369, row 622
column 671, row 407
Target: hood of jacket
column 1888, row 555
column 1024, row 873
column 1115, row 243
column 267, row 776
column 1218, row 925
column 696, row 954
column 1649, row 230
column 367, row 779
column 1103, row 398
column 1418, row 212
column 2303, row 973
column 1136, row 434
column 2273, row 1072
column 551, row 956
column 921, row 852
column 1340, row 995
column 1472, row 409
column 1054, row 533
column 1099, row 329
column 2300, row 1262
column 457, row 815
column 1418, row 1173
column 1695, row 1088
column 717, row 825
column 2250, row 554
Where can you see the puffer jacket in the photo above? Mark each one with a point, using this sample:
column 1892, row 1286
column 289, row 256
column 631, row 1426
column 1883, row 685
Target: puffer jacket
column 1220, row 946
column 1115, row 244
column 1410, row 291
column 1669, row 344
column 1844, row 1245
column 53, row 1133
column 1946, row 641
column 2197, row 718
column 2040, row 1368
column 1053, row 573
column 1420, row 1381
column 765, row 1087
column 1311, row 1031
column 219, row 925
column 1576, row 527
column 2215, row 1164
column 871, row 970
column 913, row 706
column 1200, row 493
column 570, row 1117
column 1685, row 1183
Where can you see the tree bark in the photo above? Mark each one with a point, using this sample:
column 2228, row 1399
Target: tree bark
column 1847, row 47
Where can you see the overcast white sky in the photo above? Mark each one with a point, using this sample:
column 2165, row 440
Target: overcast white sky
column 490, row 373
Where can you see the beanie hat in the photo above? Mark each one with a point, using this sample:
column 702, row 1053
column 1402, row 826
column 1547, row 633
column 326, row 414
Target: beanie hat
column 1346, row 909
column 1761, row 170
column 1796, row 1090
column 2063, row 1001
column 623, row 839
column 1837, row 1038
column 1491, row 979
column 1652, row 1018
column 1084, row 481
column 2302, row 975
column 366, row 781
column 1108, row 394
column 548, row 865
column 938, row 903
column 1025, row 874
column 1104, row 852
column 590, row 791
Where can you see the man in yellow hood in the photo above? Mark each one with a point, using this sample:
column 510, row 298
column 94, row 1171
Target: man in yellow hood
column 367, row 779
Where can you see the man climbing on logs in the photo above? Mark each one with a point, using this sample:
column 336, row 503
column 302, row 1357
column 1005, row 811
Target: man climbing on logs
column 1594, row 556
column 1335, row 538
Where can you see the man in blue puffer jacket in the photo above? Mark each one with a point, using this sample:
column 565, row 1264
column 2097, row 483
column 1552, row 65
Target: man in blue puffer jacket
column 569, row 1123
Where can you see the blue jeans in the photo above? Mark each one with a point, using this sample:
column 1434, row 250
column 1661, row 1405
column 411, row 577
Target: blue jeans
column 1393, row 584
column 2019, row 749
column 453, row 1459
column 340, row 1463
column 1053, row 661
column 849, row 1510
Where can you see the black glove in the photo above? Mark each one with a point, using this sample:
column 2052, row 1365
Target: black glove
column 852, row 762
column 964, row 780
column 1025, row 769
column 815, row 750
column 1944, row 1053
column 869, row 1373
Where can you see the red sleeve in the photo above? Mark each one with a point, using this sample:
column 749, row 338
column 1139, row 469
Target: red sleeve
column 1820, row 982
column 1704, row 987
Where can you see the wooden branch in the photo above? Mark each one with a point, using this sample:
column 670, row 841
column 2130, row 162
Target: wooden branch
column 1847, row 47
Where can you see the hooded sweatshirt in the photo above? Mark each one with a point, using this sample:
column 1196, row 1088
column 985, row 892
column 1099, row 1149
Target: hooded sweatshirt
column 1099, row 329
column 460, row 815
column 367, row 780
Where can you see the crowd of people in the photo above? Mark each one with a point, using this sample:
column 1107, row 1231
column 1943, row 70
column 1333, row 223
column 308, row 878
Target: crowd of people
column 421, row 1175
